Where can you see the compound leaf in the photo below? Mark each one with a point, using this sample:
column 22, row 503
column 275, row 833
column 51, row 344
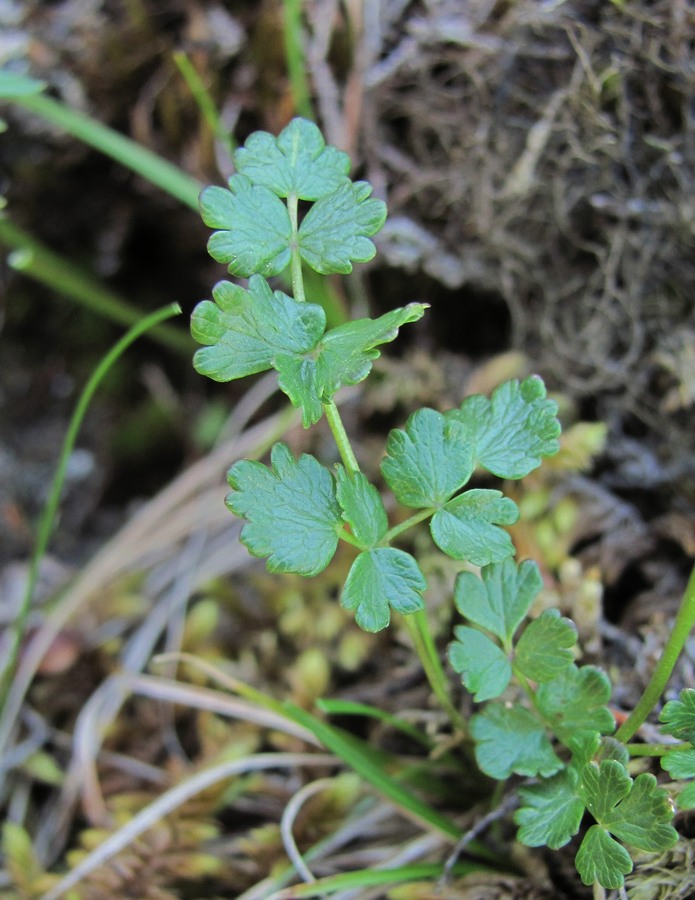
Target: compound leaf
column 254, row 227
column 247, row 330
column 381, row 578
column 362, row 506
column 602, row 859
column 575, row 702
column 467, row 527
column 551, row 811
column 482, row 665
column 545, row 647
column 297, row 161
column 336, row 229
column 511, row 739
column 292, row 511
column 500, row 599
column 679, row 716
column 343, row 356
column 514, row 429
column 429, row 461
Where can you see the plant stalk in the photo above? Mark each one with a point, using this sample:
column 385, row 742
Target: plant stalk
column 685, row 620
column 341, row 438
column 204, row 100
column 295, row 258
column 654, row 749
column 415, row 519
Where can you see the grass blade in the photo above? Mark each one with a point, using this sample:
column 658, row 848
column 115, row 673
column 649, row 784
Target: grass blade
column 149, row 165
column 350, row 708
column 36, row 261
column 361, row 758
column 369, row 878
column 50, row 510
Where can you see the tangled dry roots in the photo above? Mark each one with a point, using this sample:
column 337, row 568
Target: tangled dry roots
column 550, row 159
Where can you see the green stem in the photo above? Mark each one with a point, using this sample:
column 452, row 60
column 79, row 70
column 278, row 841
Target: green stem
column 654, row 749
column 48, row 515
column 349, row 538
column 415, row 519
column 341, row 438
column 420, row 633
column 669, row 656
column 295, row 258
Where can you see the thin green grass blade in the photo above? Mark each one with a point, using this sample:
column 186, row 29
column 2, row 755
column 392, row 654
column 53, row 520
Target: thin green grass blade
column 369, row 878
column 130, row 154
column 296, row 61
column 14, row 85
column 36, row 261
column 48, row 515
column 350, row 708
column 365, row 761
column 203, row 98
column 680, row 631
column 224, row 679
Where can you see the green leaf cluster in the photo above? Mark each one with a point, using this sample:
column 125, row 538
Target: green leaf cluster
column 258, row 234
column 544, row 717
column 566, row 706
column 255, row 329
column 486, row 656
column 434, row 456
column 635, row 812
column 254, row 229
column 297, row 511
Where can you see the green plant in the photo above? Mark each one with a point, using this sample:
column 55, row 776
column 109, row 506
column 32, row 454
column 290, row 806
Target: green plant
column 542, row 716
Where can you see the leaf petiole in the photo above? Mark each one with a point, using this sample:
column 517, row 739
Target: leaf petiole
column 654, row 749
column 341, row 438
column 346, row 535
column 295, row 257
column 415, row 519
